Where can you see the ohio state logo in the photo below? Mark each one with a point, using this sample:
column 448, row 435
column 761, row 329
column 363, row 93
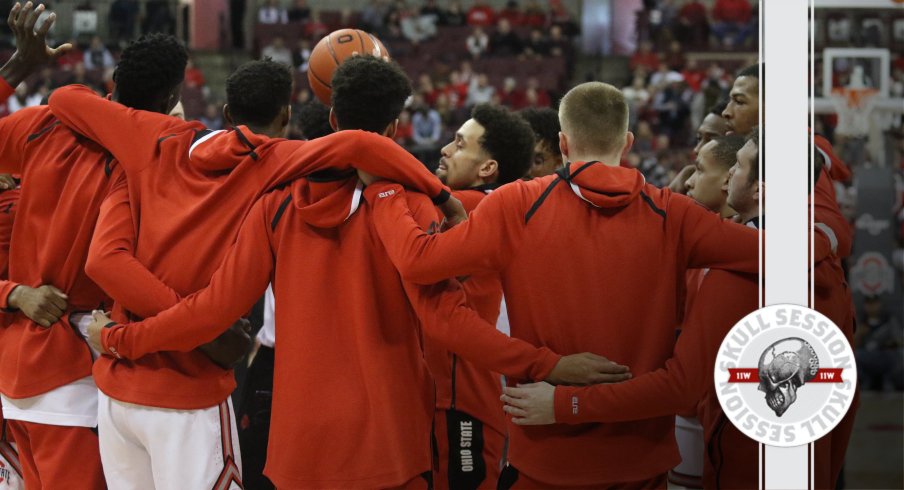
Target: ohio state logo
column 785, row 375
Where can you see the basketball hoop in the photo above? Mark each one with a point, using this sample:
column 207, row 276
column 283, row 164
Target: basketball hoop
column 854, row 107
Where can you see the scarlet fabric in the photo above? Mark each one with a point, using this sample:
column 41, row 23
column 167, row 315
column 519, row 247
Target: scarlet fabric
column 525, row 482
column 186, row 203
column 6, row 90
column 737, row 11
column 58, row 457
column 481, row 16
column 349, row 360
column 68, row 177
column 648, row 60
column 694, row 12
column 594, row 222
column 8, row 205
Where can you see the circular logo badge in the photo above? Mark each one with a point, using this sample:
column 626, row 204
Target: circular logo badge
column 785, row 375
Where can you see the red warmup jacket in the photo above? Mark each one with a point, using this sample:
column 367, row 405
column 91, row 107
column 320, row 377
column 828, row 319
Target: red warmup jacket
column 591, row 260
column 6, row 90
column 67, row 178
column 460, row 384
column 9, row 201
column 188, row 190
column 353, row 401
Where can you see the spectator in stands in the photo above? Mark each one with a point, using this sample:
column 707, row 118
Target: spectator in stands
column 457, row 89
column 636, row 96
column 415, row 27
column 692, row 28
column 426, row 128
column 301, row 55
column 673, row 109
column 481, row 14
column 446, row 111
column 880, row 348
column 480, row 91
column 272, row 13
column 534, row 14
column 693, row 75
column 277, row 51
column 316, row 28
column 194, row 78
column 675, row 58
column 431, row 9
column 732, row 22
column 20, row 99
column 512, row 13
column 98, row 57
column 561, row 17
column 300, row 12
column 123, row 14
column 426, row 88
column 453, row 16
column 72, row 57
column 510, row 95
column 644, row 57
column 505, row 42
column 663, row 76
column 547, row 156
column 535, row 95
column 643, row 138
column 536, row 46
column 213, row 116
column 466, row 72
column 478, row 43
column 372, row 15
column 404, row 132
column 158, row 17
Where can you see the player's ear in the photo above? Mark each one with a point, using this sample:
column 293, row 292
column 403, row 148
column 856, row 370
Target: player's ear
column 563, row 146
column 629, row 142
column 759, row 190
column 391, row 129
column 227, row 116
column 488, row 168
column 334, row 123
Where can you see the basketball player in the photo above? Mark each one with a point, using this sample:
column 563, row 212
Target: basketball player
column 599, row 241
column 545, row 123
column 491, row 149
column 163, row 237
column 48, row 394
column 353, row 399
column 32, row 53
column 713, row 125
column 708, row 185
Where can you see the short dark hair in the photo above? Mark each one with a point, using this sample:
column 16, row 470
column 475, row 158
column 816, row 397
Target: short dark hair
column 754, row 137
column 507, row 138
column 314, row 119
column 752, row 71
column 149, row 69
column 725, row 150
column 257, row 91
column 369, row 93
column 719, row 107
column 545, row 123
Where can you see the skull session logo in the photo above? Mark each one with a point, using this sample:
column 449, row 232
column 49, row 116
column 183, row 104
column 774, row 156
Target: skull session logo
column 785, row 375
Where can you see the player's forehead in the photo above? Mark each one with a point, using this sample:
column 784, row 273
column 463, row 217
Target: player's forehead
column 746, row 154
column 705, row 156
column 470, row 132
column 745, row 87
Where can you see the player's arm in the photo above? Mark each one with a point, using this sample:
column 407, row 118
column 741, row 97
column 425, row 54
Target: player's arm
column 201, row 317
column 480, row 244
column 130, row 135
column 709, row 241
column 112, row 263
column 32, row 51
column 677, row 387
column 349, row 149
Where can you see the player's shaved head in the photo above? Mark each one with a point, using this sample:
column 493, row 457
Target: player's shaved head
column 594, row 116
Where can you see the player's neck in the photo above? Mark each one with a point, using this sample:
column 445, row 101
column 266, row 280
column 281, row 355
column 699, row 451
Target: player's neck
column 727, row 212
column 749, row 215
column 609, row 160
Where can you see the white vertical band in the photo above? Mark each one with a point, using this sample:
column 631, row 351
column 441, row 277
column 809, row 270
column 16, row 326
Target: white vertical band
column 786, row 51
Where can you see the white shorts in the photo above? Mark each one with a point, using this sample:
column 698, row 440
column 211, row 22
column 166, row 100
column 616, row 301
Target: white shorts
column 165, row 449
column 689, row 435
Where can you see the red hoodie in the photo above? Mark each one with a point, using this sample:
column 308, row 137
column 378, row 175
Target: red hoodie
column 68, row 177
column 6, row 90
column 9, row 200
column 188, row 190
column 353, row 400
column 613, row 250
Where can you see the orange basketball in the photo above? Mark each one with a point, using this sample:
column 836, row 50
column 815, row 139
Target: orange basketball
column 332, row 50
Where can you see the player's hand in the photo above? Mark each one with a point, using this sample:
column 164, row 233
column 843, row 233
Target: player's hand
column 32, row 51
column 367, row 178
column 679, row 183
column 587, row 369
column 99, row 321
column 7, row 182
column 530, row 404
column 43, row 305
column 453, row 211
column 231, row 346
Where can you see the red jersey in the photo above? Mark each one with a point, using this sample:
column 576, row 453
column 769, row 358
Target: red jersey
column 460, row 384
column 614, row 250
column 68, row 177
column 353, row 400
column 188, row 190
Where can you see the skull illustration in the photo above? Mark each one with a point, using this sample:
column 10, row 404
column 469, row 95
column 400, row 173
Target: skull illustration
column 784, row 367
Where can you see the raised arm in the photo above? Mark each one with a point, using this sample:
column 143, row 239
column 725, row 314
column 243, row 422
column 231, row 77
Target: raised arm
column 709, row 241
column 480, row 244
column 345, row 150
column 112, row 263
column 32, row 51
column 130, row 135
column 199, row 318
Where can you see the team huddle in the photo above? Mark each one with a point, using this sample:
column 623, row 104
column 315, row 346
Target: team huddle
column 141, row 240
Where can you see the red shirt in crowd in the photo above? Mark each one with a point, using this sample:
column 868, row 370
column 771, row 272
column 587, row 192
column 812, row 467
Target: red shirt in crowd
column 481, row 15
column 734, row 11
column 601, row 240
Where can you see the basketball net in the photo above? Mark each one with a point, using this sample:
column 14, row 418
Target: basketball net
column 854, row 104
